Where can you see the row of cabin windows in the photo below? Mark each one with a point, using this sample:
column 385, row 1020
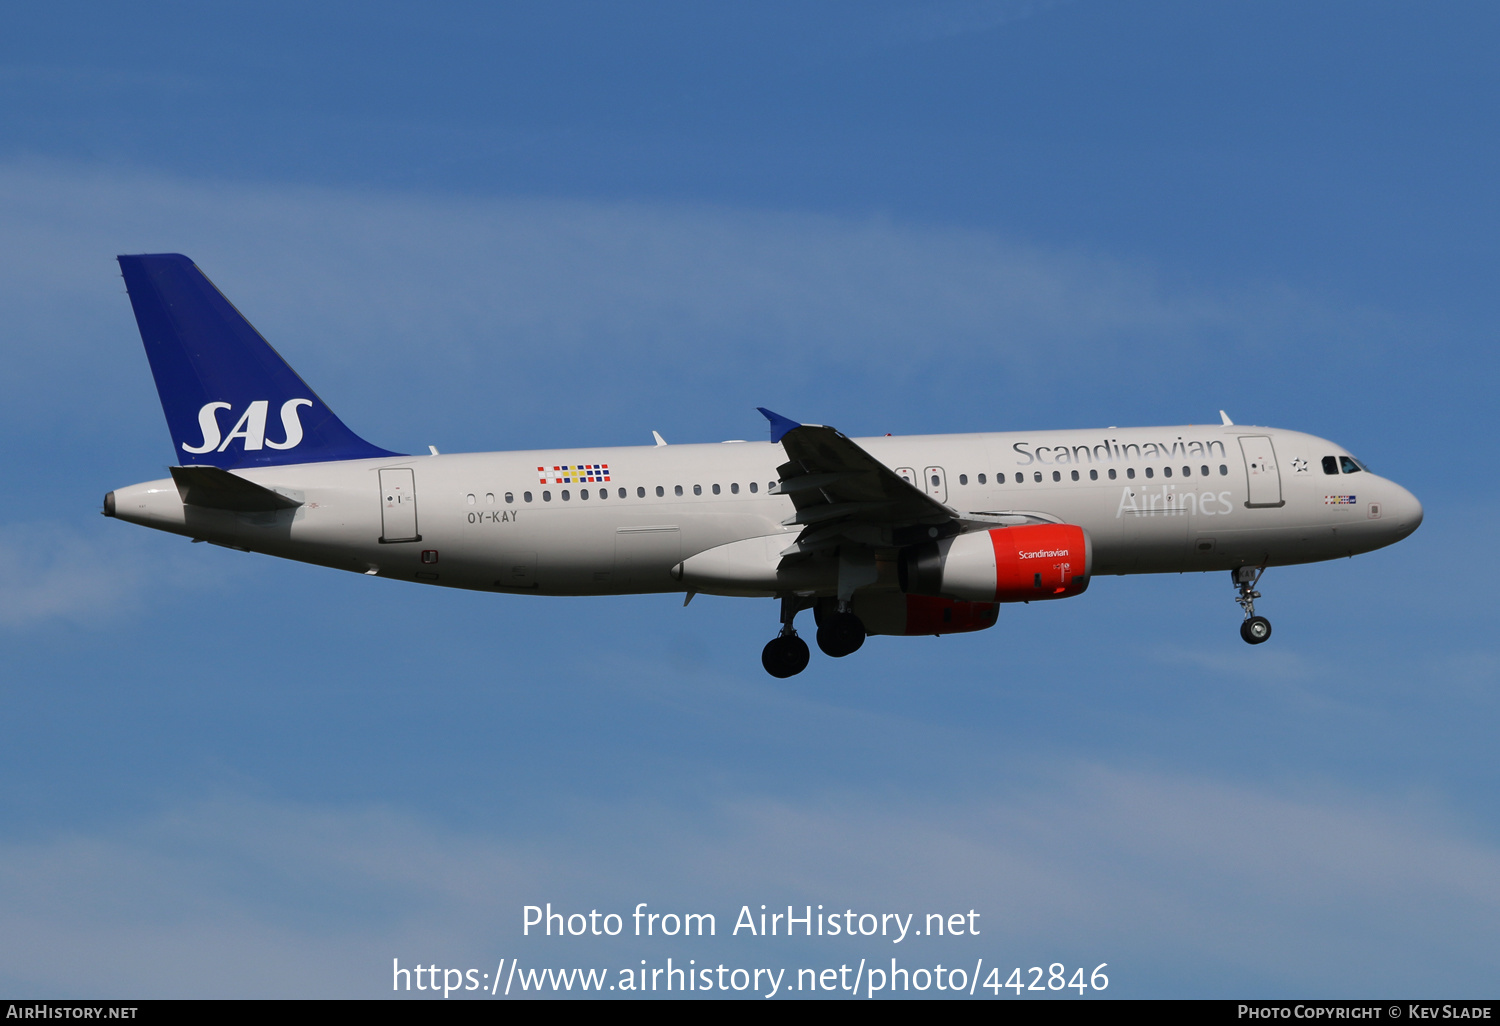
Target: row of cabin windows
column 1036, row 475
column 1018, row 478
column 566, row 495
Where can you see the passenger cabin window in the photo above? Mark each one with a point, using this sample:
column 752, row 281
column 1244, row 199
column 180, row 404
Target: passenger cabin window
column 660, row 491
column 1150, row 471
column 999, row 478
column 1223, row 470
column 980, row 479
column 583, row 493
column 1203, row 470
column 524, row 495
column 963, row 478
column 677, row 489
column 1166, row 471
column 1057, row 475
column 1330, row 464
column 1111, row 473
column 510, row 497
column 1093, row 475
column 565, row 495
column 1349, row 465
column 716, row 489
column 697, row 489
column 734, row 489
column 1037, row 477
column 1075, row 475
column 754, row 487
column 1130, row 473
column 546, row 496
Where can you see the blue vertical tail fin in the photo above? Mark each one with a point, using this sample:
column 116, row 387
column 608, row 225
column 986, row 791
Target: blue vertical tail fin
column 230, row 399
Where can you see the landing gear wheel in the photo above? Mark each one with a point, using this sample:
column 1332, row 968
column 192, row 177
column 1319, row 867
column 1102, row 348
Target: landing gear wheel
column 785, row 656
column 1255, row 630
column 841, row 634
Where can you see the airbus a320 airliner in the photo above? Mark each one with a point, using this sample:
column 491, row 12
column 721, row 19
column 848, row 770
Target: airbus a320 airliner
column 926, row 534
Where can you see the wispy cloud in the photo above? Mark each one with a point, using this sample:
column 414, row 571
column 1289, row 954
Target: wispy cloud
column 505, row 300
column 55, row 571
column 226, row 897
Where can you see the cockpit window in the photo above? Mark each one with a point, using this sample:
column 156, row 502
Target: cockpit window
column 1350, row 464
column 1330, row 464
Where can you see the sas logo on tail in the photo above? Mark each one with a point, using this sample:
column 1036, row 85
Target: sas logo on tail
column 251, row 427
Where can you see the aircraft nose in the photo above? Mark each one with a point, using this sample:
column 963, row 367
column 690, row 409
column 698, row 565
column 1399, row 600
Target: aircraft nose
column 1403, row 510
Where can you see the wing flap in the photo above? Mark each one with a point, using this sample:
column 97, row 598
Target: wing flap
column 843, row 494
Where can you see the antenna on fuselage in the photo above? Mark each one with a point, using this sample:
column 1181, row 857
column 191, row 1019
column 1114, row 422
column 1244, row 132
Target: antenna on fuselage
column 1225, row 418
column 660, row 441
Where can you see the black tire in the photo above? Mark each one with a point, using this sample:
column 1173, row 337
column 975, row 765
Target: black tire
column 785, row 656
column 841, row 634
column 1255, row 630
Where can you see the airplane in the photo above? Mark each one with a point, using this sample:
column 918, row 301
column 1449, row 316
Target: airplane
column 911, row 535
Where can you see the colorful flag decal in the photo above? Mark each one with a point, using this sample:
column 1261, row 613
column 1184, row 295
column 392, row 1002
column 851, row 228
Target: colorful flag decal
column 1338, row 500
column 577, row 473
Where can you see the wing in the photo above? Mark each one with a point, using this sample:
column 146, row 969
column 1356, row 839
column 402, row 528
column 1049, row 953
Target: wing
column 841, row 493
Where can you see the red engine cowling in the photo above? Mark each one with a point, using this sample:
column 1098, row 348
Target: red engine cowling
column 890, row 612
column 1007, row 564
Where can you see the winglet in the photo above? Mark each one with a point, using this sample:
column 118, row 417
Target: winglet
column 1227, row 421
column 779, row 425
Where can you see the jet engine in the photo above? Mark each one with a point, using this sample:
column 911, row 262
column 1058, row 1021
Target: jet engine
column 1007, row 564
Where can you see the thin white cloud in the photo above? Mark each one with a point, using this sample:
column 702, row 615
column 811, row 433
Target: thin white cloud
column 1321, row 893
column 56, row 571
column 520, row 301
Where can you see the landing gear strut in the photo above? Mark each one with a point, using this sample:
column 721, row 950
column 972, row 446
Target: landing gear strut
column 1255, row 629
column 786, row 655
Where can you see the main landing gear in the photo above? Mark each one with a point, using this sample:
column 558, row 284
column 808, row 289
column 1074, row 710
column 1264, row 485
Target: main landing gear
column 786, row 655
column 1255, row 629
column 840, row 633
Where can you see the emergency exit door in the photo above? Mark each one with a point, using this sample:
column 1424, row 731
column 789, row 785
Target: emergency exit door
column 935, row 482
column 1261, row 471
column 398, row 506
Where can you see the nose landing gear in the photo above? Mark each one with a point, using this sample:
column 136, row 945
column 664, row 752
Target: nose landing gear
column 1255, row 629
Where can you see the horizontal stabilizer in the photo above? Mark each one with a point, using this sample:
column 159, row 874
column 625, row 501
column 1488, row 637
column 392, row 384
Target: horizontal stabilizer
column 213, row 488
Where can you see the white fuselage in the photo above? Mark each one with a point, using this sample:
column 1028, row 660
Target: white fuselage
column 1153, row 500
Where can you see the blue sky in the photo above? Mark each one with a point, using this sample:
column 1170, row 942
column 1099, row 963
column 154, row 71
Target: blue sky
column 501, row 226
